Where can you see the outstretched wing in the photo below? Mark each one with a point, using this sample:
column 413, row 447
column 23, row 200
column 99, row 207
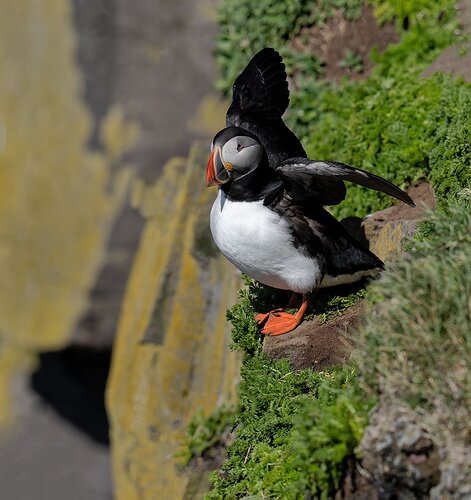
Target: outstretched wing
column 259, row 99
column 260, row 88
column 323, row 181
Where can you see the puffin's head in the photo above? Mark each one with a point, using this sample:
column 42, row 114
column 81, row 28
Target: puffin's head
column 235, row 153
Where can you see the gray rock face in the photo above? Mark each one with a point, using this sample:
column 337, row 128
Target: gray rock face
column 455, row 479
column 400, row 458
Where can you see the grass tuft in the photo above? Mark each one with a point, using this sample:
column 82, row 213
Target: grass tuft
column 417, row 344
column 204, row 433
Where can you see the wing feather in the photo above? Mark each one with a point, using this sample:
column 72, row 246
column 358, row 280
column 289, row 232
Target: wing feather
column 322, row 179
column 260, row 88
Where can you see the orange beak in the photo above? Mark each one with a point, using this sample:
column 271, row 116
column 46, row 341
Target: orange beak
column 216, row 172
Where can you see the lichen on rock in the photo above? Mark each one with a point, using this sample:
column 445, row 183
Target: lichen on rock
column 170, row 359
column 58, row 199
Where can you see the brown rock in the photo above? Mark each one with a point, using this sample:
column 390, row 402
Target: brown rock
column 315, row 345
column 384, row 232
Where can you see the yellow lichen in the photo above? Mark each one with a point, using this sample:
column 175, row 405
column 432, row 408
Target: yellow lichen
column 209, row 116
column 163, row 372
column 118, row 134
column 57, row 199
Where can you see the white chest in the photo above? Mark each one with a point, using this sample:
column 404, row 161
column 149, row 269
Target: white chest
column 259, row 243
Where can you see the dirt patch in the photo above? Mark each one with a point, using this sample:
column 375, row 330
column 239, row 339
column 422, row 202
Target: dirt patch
column 344, row 46
column 456, row 60
column 315, row 345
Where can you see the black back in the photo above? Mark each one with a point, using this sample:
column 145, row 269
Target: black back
column 320, row 235
column 260, row 97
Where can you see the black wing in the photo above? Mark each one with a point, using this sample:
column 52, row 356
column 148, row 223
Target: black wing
column 323, row 181
column 260, row 88
column 260, row 96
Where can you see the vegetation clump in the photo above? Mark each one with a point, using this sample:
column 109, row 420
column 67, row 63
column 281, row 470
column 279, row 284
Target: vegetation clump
column 418, row 344
column 245, row 27
column 294, row 431
column 205, row 433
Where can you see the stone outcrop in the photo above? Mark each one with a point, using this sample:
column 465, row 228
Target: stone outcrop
column 57, row 198
column 399, row 455
column 155, row 62
column 171, row 357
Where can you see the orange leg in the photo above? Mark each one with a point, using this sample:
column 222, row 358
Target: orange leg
column 282, row 322
column 263, row 317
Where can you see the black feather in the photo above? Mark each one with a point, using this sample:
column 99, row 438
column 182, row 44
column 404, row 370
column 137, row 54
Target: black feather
column 318, row 234
column 259, row 99
column 323, row 181
column 260, row 88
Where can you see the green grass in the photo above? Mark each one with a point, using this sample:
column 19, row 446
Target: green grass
column 294, row 431
column 205, row 433
column 404, row 128
column 410, row 12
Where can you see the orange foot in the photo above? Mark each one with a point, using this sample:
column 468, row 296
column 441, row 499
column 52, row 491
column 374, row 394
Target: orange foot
column 279, row 322
column 262, row 318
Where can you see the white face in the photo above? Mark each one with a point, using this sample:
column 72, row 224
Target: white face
column 243, row 153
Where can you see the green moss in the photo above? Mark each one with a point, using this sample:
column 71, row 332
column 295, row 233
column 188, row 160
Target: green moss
column 352, row 61
column 279, row 406
column 450, row 159
column 295, row 430
column 403, row 128
column 337, row 300
column 413, row 12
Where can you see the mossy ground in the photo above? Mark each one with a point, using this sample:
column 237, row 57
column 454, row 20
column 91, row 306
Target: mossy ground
column 295, row 429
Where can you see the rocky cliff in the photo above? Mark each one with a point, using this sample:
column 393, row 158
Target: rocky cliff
column 171, row 357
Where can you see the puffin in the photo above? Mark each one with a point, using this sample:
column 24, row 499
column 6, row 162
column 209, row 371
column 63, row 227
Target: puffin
column 268, row 218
